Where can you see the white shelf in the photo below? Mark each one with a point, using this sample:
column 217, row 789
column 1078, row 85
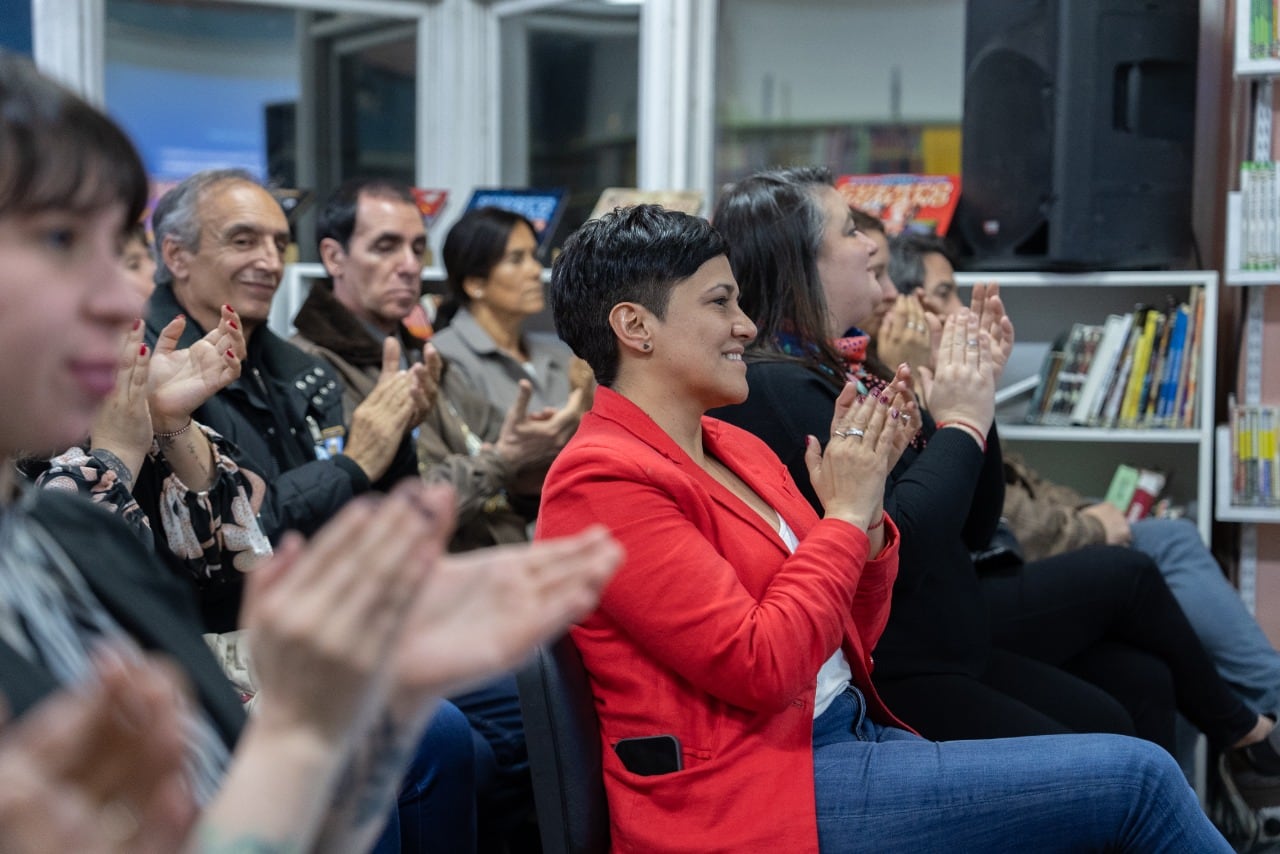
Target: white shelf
column 1225, row 511
column 1042, row 307
column 1248, row 515
column 1165, row 279
column 1257, row 67
column 1233, row 275
column 1145, row 435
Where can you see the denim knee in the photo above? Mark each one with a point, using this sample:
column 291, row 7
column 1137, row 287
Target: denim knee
column 445, row 752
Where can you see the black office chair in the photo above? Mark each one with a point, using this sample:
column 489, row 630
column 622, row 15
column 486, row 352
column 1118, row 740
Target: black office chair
column 563, row 736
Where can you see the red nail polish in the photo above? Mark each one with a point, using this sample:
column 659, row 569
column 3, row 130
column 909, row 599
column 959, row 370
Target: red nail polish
column 229, row 308
column 142, row 351
column 232, row 324
column 137, row 321
column 231, row 354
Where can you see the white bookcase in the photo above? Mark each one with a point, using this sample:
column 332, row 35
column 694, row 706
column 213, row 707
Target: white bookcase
column 1043, row 306
column 1257, row 282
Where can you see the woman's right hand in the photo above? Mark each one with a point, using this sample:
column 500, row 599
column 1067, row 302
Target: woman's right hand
column 868, row 435
column 961, row 388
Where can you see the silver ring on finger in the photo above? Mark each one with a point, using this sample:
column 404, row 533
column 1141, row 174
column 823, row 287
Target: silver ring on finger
column 972, row 342
column 853, row 432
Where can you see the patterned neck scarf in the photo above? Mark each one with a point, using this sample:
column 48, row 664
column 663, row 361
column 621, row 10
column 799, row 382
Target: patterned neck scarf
column 853, row 348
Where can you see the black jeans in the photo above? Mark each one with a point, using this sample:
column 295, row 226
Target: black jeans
column 1105, row 614
column 1015, row 696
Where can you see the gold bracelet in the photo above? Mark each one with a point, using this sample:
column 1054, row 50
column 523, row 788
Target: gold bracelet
column 175, row 433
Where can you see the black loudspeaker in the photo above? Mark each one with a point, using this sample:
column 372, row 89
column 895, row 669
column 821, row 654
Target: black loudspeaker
column 1079, row 122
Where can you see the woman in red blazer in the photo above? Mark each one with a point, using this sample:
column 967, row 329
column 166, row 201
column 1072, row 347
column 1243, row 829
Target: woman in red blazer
column 730, row 657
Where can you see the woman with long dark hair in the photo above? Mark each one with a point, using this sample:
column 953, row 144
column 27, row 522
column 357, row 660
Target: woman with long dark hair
column 803, row 267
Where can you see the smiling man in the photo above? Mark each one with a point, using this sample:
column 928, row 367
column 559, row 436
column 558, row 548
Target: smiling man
column 220, row 240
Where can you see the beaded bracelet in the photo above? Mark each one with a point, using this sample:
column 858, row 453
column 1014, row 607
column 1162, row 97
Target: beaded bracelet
column 175, row 433
column 978, row 434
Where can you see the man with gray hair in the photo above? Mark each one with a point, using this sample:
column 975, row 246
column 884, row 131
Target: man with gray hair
column 220, row 239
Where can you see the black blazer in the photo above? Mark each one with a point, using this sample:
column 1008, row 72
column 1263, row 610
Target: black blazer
column 150, row 604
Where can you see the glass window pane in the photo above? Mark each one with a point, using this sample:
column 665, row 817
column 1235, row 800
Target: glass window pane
column 570, row 102
column 196, row 85
column 861, row 86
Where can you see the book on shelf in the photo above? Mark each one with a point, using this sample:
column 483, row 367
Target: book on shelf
column 1115, row 332
column 1151, row 382
column 1141, row 361
column 1049, row 369
column 1135, row 370
column 1263, row 41
column 1188, row 401
column 1255, row 455
column 1135, row 490
column 1172, row 368
column 904, row 202
column 1120, row 379
column 1077, row 354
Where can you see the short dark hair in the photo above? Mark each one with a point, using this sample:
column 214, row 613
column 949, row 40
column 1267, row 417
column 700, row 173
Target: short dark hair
column 475, row 244
column 773, row 223
column 57, row 152
column 337, row 218
column 906, row 258
column 633, row 254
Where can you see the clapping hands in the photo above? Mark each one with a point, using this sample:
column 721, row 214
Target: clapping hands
column 181, row 380
column 100, row 768
column 909, row 333
column 961, row 388
column 528, row 441
column 868, row 435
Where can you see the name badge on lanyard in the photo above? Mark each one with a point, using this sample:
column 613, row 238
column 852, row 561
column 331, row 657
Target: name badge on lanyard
column 329, row 442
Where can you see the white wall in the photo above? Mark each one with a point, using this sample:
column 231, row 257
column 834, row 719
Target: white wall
column 824, row 60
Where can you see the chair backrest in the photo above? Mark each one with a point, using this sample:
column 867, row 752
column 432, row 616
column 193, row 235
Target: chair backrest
column 563, row 736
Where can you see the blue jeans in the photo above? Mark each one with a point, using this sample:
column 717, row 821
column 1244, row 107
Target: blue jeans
column 1240, row 651
column 883, row 789
column 436, row 806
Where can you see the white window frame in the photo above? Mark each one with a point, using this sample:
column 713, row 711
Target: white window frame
column 459, row 107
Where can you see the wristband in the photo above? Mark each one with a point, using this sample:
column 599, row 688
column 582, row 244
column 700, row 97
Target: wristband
column 877, row 524
column 978, row 434
column 175, row 433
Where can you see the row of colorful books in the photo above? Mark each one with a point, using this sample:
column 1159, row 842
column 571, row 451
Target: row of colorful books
column 1139, row 369
column 1255, row 455
column 1264, row 37
column 1260, row 215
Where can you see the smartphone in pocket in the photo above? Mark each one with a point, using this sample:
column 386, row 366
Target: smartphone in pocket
column 650, row 755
